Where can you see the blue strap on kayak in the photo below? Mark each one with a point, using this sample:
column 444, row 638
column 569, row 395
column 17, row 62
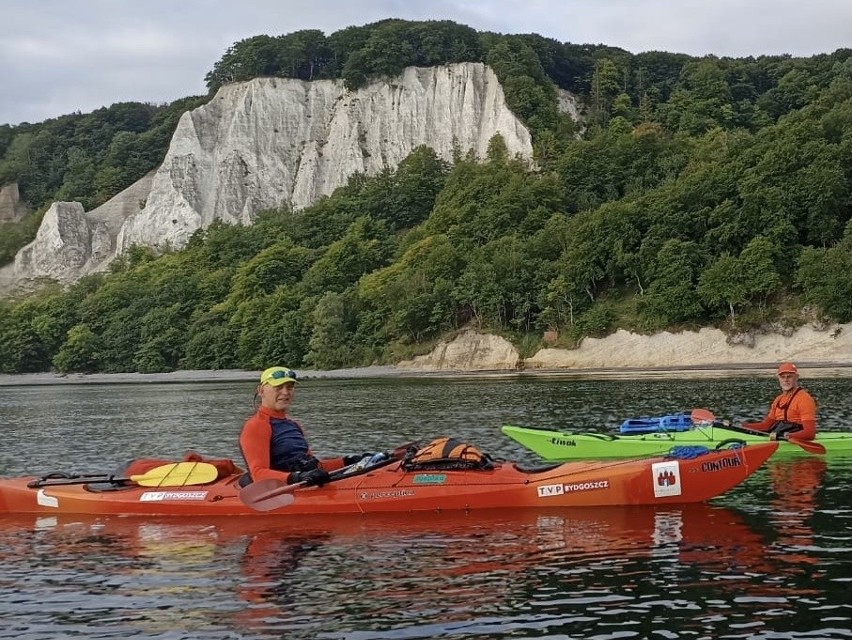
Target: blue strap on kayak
column 673, row 422
column 687, row 452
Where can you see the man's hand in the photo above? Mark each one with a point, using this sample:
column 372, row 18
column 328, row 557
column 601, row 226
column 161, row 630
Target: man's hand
column 311, row 478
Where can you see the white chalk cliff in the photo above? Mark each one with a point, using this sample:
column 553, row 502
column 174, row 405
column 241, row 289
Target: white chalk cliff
column 808, row 346
column 12, row 208
column 71, row 242
column 273, row 142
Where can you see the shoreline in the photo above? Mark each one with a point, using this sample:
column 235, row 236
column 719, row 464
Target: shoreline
column 808, row 370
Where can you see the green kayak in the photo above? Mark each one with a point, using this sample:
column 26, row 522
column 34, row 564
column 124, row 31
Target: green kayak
column 551, row 444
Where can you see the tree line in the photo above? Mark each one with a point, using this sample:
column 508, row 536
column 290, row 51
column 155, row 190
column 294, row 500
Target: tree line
column 702, row 191
column 91, row 157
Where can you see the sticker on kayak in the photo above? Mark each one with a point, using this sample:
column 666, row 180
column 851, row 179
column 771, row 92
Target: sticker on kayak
column 666, row 478
column 562, row 442
column 561, row 489
column 380, row 495
column 160, row 496
column 722, row 463
column 45, row 500
column 430, row 478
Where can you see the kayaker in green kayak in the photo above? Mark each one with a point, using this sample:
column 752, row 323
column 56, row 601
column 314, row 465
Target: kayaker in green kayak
column 792, row 412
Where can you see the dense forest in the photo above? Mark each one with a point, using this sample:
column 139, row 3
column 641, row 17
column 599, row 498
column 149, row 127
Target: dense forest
column 695, row 192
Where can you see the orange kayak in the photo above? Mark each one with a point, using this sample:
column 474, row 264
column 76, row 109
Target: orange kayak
column 636, row 481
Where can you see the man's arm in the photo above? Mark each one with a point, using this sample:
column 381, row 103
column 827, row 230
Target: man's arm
column 254, row 442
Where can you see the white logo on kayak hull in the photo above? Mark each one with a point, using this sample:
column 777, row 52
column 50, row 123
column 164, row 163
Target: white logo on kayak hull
column 160, row 496
column 666, row 478
column 44, row 500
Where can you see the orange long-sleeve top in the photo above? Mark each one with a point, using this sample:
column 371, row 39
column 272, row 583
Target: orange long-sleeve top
column 270, row 439
column 796, row 406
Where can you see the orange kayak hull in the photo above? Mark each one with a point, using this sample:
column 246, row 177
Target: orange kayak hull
column 390, row 489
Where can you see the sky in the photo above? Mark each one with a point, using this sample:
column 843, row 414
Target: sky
column 64, row 56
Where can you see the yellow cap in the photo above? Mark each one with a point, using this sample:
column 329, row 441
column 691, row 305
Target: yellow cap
column 276, row 376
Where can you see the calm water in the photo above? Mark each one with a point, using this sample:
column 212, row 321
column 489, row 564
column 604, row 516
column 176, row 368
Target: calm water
column 771, row 559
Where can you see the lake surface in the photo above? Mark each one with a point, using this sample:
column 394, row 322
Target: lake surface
column 770, row 559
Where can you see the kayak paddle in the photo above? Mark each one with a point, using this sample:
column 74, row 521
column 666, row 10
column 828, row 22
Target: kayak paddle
column 178, row 474
column 705, row 416
column 808, row 445
column 702, row 416
column 269, row 494
column 175, row 474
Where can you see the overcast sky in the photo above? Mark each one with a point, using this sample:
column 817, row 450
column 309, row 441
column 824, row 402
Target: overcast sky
column 62, row 56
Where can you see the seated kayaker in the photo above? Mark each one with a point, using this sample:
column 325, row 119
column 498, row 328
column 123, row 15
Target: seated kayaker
column 274, row 445
column 793, row 412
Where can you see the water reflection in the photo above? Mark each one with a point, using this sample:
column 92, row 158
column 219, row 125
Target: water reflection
column 431, row 575
column 795, row 484
column 769, row 559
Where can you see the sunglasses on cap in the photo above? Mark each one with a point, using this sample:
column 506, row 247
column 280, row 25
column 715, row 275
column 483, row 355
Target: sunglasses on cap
column 277, row 376
column 283, row 373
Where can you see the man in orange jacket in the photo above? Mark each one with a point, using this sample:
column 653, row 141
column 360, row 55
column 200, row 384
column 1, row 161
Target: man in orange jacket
column 793, row 412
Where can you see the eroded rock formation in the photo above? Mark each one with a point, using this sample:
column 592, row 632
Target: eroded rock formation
column 274, row 142
column 470, row 351
column 709, row 348
column 12, row 208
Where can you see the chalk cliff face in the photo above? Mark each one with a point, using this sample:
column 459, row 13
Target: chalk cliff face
column 71, row 243
column 271, row 142
column 808, row 346
column 470, row 351
column 11, row 207
column 65, row 238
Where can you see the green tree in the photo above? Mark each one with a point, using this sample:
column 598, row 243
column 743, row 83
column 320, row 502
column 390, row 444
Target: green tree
column 246, row 59
column 79, row 352
column 404, row 198
column 606, row 86
column 23, row 349
column 501, row 280
column 761, row 277
column 210, row 341
column 672, row 296
column 272, row 328
column 823, row 276
column 740, row 281
column 331, row 342
column 79, row 179
column 360, row 251
column 414, row 294
column 723, row 283
column 701, row 101
column 162, row 339
column 561, row 302
column 281, row 264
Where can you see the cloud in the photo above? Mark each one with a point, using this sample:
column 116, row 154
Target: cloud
column 58, row 57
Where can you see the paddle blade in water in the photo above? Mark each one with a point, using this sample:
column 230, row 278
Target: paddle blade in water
column 177, row 474
column 807, row 445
